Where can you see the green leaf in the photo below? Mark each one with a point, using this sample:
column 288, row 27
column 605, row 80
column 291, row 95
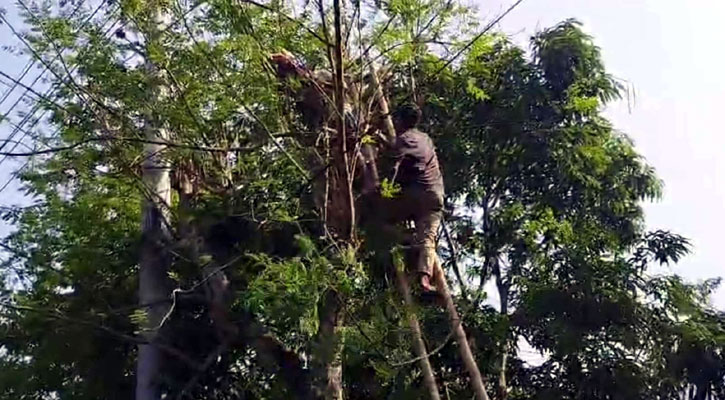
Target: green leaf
column 389, row 189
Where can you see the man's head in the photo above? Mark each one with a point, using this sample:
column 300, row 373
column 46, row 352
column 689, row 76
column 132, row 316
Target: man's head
column 406, row 117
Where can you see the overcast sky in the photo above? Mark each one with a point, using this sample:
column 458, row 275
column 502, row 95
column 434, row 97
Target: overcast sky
column 671, row 52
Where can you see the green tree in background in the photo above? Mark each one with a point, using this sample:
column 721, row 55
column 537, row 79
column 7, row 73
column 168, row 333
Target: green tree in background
column 546, row 196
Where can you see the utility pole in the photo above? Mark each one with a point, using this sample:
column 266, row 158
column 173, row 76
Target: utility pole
column 154, row 260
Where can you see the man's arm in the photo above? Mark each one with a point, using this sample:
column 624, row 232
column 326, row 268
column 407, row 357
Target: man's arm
column 398, row 155
column 383, row 138
column 395, row 170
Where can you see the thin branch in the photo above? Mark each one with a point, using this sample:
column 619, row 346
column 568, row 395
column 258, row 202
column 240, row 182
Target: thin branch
column 462, row 50
column 183, row 16
column 354, row 17
column 274, row 140
column 340, row 105
column 55, row 314
column 454, row 258
column 418, row 343
column 291, row 19
column 326, row 32
column 433, row 18
column 464, row 348
column 478, row 36
column 380, row 34
column 395, row 46
column 213, row 355
column 432, row 352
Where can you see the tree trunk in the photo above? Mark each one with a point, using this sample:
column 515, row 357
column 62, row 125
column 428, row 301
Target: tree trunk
column 329, row 338
column 454, row 259
column 153, row 281
column 418, row 344
column 342, row 159
column 329, row 346
column 503, row 291
column 154, row 263
column 457, row 325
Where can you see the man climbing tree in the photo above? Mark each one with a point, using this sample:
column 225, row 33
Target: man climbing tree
column 417, row 171
column 260, row 193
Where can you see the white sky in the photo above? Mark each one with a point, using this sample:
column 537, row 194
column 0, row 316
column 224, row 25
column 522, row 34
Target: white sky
column 671, row 52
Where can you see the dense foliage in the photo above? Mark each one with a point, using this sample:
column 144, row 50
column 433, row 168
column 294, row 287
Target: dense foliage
column 546, row 197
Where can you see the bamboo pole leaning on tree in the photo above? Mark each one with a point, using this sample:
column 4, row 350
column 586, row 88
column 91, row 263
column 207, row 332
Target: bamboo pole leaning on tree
column 383, row 104
column 418, row 343
column 456, row 324
column 402, row 281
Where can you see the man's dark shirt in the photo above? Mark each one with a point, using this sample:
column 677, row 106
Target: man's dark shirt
column 418, row 162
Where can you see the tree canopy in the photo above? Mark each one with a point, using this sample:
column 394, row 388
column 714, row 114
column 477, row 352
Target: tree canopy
column 546, row 198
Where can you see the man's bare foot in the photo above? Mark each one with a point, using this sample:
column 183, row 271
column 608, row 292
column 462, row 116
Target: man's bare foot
column 429, row 294
column 425, row 283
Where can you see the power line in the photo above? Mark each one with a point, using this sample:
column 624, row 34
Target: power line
column 13, row 176
column 30, row 65
column 45, row 97
column 71, row 83
column 18, row 128
column 37, row 78
column 478, row 36
column 54, row 87
column 470, row 43
column 109, row 138
column 26, row 69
